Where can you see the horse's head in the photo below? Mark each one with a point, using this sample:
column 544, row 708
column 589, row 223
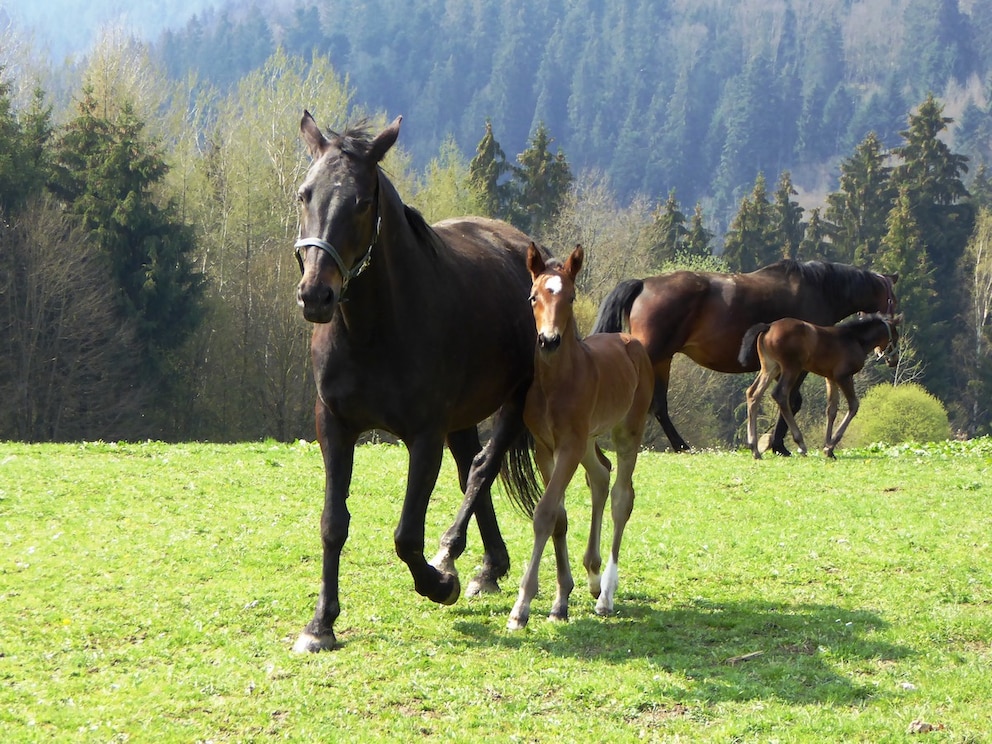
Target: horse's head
column 885, row 296
column 339, row 213
column 888, row 345
column 552, row 295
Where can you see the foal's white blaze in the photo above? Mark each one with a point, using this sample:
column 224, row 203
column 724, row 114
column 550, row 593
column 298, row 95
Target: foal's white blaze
column 554, row 285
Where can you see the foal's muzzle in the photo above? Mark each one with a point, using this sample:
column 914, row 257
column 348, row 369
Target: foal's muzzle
column 549, row 342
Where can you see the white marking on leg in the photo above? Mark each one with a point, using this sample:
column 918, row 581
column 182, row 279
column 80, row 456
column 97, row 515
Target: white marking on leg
column 609, row 584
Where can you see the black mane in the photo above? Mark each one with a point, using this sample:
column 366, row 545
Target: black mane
column 842, row 280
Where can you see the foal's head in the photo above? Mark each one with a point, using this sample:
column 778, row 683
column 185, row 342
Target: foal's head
column 552, row 295
column 887, row 336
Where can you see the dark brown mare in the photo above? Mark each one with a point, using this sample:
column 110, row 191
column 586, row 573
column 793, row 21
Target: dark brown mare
column 704, row 315
column 420, row 331
column 582, row 389
column 788, row 347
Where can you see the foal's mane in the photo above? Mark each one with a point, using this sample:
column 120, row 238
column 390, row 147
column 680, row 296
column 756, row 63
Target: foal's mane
column 840, row 280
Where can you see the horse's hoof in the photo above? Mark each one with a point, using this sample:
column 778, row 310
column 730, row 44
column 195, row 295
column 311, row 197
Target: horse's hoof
column 603, row 610
column 308, row 643
column 595, row 586
column 558, row 617
column 517, row 622
column 479, row 586
column 456, row 589
column 830, row 454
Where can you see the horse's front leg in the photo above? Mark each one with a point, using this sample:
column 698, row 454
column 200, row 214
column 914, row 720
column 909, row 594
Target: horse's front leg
column 425, row 453
column 337, row 446
column 563, row 572
column 477, row 469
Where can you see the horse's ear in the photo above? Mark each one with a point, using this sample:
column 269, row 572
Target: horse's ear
column 893, row 277
column 384, row 140
column 312, row 135
column 535, row 261
column 574, row 263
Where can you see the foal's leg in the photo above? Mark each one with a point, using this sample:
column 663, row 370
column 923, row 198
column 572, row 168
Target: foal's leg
column 782, row 393
column 846, row 385
column 598, row 479
column 833, row 398
column 627, row 439
column 546, row 516
column 795, row 403
column 563, row 572
column 754, row 393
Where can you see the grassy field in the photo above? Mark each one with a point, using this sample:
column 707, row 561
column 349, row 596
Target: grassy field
column 151, row 593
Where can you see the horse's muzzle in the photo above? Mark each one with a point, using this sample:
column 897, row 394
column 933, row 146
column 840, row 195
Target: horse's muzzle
column 549, row 342
column 318, row 301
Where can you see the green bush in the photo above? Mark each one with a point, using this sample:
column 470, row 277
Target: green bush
column 904, row 413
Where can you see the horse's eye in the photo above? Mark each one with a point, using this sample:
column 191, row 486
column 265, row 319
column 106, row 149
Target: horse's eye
column 532, row 299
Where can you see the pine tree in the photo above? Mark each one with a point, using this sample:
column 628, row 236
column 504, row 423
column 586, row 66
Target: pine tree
column 930, row 178
column 902, row 251
column 789, row 216
column 540, row 184
column 697, row 242
column 667, row 233
column 814, row 246
column 752, row 241
column 105, row 174
column 486, row 172
column 856, row 213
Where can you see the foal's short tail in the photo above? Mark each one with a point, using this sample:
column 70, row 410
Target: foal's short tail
column 518, row 474
column 748, row 355
column 614, row 311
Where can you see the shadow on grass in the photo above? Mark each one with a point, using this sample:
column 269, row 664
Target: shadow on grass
column 721, row 651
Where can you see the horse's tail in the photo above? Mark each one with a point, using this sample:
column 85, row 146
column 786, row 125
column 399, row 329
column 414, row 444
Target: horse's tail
column 614, row 311
column 518, row 474
column 748, row 355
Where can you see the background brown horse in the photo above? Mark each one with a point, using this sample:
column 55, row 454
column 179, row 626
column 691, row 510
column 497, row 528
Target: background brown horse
column 705, row 315
column 789, row 347
column 419, row 331
column 582, row 389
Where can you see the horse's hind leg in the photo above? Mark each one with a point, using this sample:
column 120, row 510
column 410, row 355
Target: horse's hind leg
column 627, row 440
column 782, row 425
column 782, row 395
column 846, row 384
column 754, row 393
column 659, row 406
column 597, row 469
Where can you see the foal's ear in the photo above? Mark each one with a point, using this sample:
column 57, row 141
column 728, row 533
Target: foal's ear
column 384, row 140
column 312, row 135
column 574, row 263
column 535, row 261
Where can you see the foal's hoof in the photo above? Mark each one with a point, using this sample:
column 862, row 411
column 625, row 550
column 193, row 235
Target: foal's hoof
column 308, row 643
column 829, row 453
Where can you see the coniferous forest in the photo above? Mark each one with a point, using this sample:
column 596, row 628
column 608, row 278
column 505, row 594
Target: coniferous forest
column 146, row 184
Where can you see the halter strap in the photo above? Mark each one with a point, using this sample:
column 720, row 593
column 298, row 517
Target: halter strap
column 890, row 304
column 346, row 274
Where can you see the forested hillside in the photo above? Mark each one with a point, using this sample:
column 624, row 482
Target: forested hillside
column 695, row 95
column 714, row 134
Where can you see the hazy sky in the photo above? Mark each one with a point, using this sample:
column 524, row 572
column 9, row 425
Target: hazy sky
column 63, row 27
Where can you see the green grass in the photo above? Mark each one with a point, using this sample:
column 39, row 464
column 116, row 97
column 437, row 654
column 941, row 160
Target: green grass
column 151, row 593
